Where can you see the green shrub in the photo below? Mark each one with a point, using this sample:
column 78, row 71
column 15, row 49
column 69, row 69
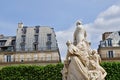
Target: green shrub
column 113, row 70
column 51, row 72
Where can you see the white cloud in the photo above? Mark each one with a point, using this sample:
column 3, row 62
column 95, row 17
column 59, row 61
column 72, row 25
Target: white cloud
column 109, row 20
column 62, row 37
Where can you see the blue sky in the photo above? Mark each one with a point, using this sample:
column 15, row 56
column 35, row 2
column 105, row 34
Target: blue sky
column 61, row 15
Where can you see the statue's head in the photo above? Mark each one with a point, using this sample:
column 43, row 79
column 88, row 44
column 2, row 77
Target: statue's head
column 94, row 52
column 78, row 23
column 68, row 42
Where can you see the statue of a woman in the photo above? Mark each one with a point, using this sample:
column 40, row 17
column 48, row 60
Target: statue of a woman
column 75, row 64
column 82, row 63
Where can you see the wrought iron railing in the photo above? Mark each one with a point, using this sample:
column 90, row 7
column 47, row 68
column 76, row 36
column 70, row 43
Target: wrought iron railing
column 31, row 49
column 30, row 60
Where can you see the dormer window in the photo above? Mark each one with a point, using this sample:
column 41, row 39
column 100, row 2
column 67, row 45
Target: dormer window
column 49, row 37
column 36, row 29
column 119, row 43
column 119, row 33
column 23, row 38
column 109, row 42
column 22, row 46
column 36, row 38
column 24, row 30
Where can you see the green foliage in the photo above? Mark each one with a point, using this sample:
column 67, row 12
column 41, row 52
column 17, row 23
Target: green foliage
column 113, row 70
column 51, row 72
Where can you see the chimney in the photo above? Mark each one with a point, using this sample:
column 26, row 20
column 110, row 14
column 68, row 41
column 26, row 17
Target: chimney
column 105, row 35
column 20, row 25
column 1, row 36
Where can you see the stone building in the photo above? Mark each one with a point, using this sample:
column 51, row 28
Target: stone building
column 7, row 46
column 109, row 48
column 33, row 44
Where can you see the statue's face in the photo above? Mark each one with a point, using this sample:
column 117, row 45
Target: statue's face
column 79, row 27
column 78, row 23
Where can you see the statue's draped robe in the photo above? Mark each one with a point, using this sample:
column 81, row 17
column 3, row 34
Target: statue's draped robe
column 76, row 69
column 80, row 64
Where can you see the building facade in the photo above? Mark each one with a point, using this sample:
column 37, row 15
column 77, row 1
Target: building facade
column 7, row 46
column 33, row 44
column 109, row 48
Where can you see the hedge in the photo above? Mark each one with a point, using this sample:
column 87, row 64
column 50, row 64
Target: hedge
column 113, row 70
column 51, row 72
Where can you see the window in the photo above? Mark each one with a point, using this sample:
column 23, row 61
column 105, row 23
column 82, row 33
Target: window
column 8, row 58
column 119, row 33
column 37, row 30
column 49, row 37
column 35, row 47
column 102, row 43
column 119, row 43
column 49, row 46
column 36, row 38
column 24, row 30
column 13, row 42
column 23, row 38
column 110, row 54
column 48, row 43
column 109, row 42
column 23, row 47
column 2, row 43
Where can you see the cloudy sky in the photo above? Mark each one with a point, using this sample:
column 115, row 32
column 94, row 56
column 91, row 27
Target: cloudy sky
column 97, row 16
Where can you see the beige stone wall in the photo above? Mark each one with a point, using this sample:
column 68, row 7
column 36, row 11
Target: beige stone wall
column 1, row 57
column 104, row 52
column 37, row 56
column 33, row 56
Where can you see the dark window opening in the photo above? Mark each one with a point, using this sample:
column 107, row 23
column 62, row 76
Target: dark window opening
column 2, row 43
column 23, row 47
column 24, row 30
column 35, row 47
column 36, row 38
column 110, row 54
column 119, row 43
column 37, row 29
column 8, row 58
column 109, row 42
column 13, row 42
column 49, row 44
column 23, row 38
column 49, row 37
column 119, row 33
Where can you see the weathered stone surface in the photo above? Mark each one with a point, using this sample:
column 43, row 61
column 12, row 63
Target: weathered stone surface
column 82, row 63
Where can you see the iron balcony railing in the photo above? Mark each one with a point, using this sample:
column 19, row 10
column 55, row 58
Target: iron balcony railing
column 30, row 49
column 29, row 60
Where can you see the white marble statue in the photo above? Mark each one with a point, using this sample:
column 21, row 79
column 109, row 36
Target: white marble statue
column 80, row 33
column 82, row 63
